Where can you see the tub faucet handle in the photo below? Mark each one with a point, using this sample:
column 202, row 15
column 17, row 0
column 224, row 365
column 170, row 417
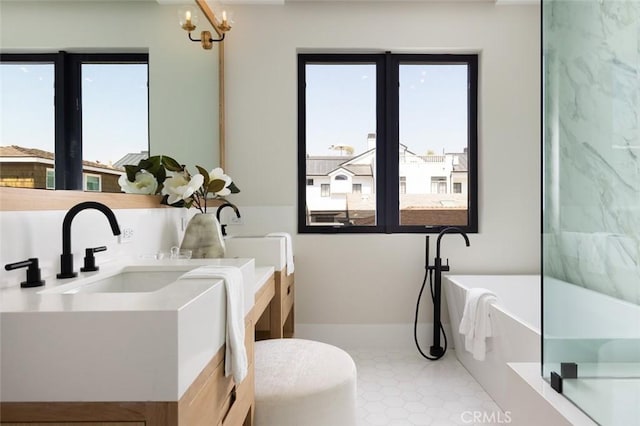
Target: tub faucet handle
column 445, row 267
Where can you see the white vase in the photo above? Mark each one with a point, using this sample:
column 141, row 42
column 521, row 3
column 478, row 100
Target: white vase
column 204, row 237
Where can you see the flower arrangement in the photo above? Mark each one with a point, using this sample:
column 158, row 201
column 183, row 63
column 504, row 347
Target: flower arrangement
column 161, row 174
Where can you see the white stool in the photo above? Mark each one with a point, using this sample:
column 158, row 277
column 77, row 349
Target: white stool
column 303, row 383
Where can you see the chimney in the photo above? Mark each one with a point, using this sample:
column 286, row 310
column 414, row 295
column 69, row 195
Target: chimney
column 371, row 141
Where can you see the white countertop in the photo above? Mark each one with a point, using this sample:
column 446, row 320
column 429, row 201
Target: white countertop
column 113, row 346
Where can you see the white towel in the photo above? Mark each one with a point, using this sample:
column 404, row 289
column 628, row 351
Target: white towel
column 235, row 360
column 289, row 249
column 476, row 322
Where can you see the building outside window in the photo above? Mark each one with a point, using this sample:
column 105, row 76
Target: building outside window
column 404, row 124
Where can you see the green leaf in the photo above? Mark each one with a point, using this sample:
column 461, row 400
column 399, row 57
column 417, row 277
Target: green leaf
column 216, row 185
column 161, row 176
column 233, row 188
column 171, row 164
column 204, row 173
column 131, row 172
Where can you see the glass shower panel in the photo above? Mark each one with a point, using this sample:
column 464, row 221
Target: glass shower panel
column 591, row 205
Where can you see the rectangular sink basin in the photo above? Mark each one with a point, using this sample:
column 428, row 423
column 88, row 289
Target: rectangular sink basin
column 149, row 278
column 130, row 282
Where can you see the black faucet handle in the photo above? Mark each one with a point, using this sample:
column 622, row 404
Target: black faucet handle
column 90, row 260
column 33, row 272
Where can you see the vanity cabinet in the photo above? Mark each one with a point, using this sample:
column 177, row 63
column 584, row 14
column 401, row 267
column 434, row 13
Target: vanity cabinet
column 211, row 400
column 278, row 319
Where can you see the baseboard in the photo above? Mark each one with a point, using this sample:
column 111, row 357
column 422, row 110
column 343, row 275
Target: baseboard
column 372, row 336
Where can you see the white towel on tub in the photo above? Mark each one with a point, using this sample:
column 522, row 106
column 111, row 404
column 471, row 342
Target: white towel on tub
column 235, row 359
column 289, row 249
column 476, row 321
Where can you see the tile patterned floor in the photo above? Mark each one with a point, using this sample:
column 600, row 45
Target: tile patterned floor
column 403, row 389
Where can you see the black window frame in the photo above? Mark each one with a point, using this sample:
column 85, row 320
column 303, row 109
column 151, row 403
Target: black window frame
column 68, row 105
column 387, row 140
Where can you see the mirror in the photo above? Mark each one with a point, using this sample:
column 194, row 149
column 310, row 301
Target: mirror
column 183, row 90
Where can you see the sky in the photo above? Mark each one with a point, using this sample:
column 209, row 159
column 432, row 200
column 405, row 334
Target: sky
column 341, row 107
column 114, row 115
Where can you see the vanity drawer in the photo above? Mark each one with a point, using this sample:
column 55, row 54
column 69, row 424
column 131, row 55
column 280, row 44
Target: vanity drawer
column 202, row 401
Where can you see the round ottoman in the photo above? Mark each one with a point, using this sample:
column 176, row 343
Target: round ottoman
column 302, row 382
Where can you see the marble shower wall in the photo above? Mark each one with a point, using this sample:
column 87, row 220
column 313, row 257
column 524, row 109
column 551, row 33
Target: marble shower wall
column 591, row 59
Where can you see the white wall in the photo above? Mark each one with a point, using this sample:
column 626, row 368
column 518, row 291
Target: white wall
column 183, row 78
column 374, row 279
column 351, row 279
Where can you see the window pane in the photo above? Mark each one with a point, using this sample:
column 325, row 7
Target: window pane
column 340, row 144
column 92, row 183
column 433, row 111
column 51, row 179
column 114, row 117
column 27, row 121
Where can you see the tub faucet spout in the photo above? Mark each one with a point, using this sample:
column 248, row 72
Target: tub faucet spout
column 450, row 230
column 66, row 258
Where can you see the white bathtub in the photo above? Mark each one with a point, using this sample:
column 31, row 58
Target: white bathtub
column 515, row 321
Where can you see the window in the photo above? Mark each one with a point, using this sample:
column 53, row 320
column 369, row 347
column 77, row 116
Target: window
column 406, row 126
column 438, row 185
column 51, row 179
column 82, row 110
column 341, row 177
column 92, row 183
column 309, row 182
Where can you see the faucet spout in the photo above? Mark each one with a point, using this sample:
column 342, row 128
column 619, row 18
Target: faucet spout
column 66, row 259
column 450, row 230
column 222, row 207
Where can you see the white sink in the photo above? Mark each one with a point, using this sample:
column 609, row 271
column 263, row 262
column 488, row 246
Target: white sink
column 149, row 277
column 151, row 333
column 130, row 282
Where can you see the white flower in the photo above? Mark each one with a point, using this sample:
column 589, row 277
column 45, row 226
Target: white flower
column 218, row 174
column 145, row 183
column 178, row 187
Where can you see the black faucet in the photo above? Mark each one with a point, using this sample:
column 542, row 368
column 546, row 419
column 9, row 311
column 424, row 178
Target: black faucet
column 437, row 350
column 222, row 206
column 66, row 258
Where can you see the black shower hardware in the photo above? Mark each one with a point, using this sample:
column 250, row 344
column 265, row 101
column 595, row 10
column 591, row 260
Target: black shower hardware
column 66, row 258
column 33, row 272
column 434, row 274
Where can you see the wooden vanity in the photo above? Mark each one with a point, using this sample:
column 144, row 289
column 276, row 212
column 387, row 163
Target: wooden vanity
column 212, row 398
